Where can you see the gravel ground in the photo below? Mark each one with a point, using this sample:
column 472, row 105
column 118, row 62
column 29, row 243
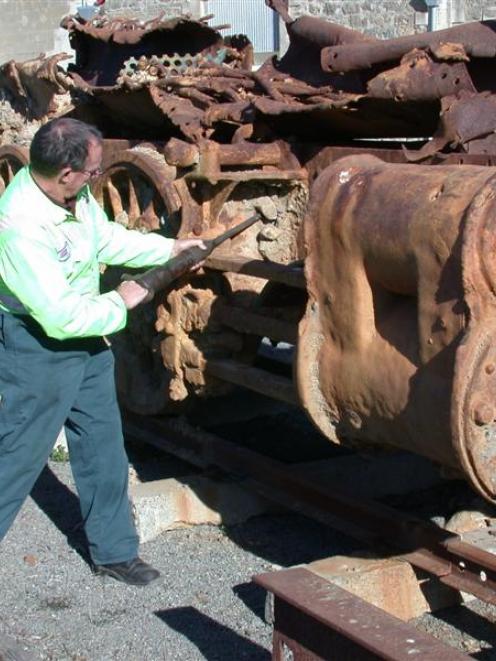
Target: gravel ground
column 203, row 607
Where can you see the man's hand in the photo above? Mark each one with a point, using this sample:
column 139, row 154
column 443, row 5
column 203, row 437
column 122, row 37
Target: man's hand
column 131, row 293
column 184, row 244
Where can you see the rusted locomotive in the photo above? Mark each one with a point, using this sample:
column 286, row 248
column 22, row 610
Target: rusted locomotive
column 374, row 261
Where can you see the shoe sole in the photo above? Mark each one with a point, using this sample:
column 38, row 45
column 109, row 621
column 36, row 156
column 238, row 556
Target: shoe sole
column 121, row 579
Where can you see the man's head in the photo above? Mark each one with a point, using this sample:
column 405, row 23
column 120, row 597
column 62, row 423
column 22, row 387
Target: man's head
column 66, row 153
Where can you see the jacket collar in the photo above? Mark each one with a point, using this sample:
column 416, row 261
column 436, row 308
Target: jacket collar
column 48, row 207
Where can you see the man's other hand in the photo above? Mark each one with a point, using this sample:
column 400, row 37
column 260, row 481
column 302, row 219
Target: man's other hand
column 131, row 293
column 184, row 244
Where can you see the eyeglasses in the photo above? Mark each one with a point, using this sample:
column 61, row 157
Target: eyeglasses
column 92, row 173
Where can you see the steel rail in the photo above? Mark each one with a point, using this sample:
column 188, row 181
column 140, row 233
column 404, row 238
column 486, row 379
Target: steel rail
column 316, row 619
column 436, row 551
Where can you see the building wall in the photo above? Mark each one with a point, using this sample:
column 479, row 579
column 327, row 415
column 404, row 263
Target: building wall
column 383, row 18
column 31, row 27
column 480, row 9
column 145, row 9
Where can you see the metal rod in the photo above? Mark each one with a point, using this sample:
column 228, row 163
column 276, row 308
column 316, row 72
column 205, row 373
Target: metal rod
column 290, row 275
column 272, row 385
column 256, row 324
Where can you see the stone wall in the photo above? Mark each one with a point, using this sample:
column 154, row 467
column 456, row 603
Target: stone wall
column 382, row 18
column 480, row 9
column 31, row 27
column 150, row 8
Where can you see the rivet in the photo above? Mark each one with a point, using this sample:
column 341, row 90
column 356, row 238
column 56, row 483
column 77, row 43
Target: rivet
column 483, row 413
column 490, row 368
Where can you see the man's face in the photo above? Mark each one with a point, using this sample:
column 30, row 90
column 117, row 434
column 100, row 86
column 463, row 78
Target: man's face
column 74, row 181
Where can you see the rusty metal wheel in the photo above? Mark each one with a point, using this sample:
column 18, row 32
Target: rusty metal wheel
column 137, row 190
column 12, row 159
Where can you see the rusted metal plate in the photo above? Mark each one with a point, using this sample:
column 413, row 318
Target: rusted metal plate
column 103, row 46
column 420, row 78
column 467, row 123
column 315, row 619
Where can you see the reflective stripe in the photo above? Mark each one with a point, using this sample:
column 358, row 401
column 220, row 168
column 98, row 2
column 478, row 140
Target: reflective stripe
column 12, row 303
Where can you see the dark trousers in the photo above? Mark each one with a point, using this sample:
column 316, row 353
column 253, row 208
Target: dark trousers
column 44, row 384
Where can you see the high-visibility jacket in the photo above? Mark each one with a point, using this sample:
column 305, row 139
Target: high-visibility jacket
column 49, row 260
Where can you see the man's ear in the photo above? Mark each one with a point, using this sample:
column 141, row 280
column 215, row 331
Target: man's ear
column 64, row 175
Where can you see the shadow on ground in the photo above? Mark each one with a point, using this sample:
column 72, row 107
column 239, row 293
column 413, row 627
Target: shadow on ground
column 214, row 641
column 61, row 506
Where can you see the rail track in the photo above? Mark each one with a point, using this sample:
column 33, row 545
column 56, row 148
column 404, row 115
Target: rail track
column 304, row 600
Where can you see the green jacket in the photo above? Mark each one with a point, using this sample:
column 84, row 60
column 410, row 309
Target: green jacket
column 49, row 260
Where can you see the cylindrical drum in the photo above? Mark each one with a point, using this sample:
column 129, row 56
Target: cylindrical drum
column 398, row 343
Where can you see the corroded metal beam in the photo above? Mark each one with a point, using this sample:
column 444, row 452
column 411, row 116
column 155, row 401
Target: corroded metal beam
column 476, row 40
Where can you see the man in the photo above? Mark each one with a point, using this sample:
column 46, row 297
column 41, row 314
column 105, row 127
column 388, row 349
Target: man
column 55, row 367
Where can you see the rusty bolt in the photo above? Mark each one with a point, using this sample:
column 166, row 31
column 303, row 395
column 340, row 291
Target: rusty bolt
column 354, row 419
column 483, row 413
column 490, row 368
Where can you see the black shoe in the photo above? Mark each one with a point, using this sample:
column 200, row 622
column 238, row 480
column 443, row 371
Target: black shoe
column 133, row 572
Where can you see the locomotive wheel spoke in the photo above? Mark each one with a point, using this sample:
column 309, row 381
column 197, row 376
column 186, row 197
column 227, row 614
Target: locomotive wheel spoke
column 149, row 216
column 12, row 159
column 137, row 183
column 114, row 198
column 134, row 207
